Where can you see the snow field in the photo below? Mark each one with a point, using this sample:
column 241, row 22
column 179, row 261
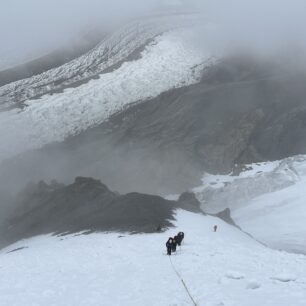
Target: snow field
column 223, row 268
column 267, row 201
column 170, row 61
column 115, row 47
column 278, row 218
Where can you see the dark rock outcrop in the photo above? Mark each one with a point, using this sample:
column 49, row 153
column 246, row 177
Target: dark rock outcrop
column 225, row 215
column 188, row 201
column 85, row 205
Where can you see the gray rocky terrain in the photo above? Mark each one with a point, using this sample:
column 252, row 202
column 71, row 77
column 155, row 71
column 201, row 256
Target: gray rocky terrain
column 87, row 205
column 242, row 111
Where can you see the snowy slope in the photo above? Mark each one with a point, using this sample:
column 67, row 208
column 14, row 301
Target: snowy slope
column 116, row 47
column 268, row 201
column 223, row 268
column 171, row 60
column 277, row 219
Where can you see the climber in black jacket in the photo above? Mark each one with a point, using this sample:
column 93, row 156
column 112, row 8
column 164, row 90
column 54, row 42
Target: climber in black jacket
column 169, row 244
column 180, row 236
column 174, row 244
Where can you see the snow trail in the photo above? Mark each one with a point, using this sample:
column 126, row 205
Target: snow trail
column 182, row 280
column 225, row 268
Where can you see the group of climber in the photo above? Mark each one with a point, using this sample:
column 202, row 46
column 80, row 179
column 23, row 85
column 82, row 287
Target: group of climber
column 177, row 240
column 172, row 243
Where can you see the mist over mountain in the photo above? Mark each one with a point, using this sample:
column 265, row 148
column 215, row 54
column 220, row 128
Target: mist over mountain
column 160, row 93
column 123, row 123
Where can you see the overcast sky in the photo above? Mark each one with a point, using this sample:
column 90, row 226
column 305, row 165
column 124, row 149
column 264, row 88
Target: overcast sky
column 26, row 25
column 261, row 25
column 30, row 25
column 49, row 19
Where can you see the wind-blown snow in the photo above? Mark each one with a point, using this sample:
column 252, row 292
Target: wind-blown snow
column 267, row 201
column 171, row 60
column 223, row 268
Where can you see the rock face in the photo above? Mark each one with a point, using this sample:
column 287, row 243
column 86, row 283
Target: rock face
column 188, row 201
column 225, row 215
column 242, row 111
column 85, row 205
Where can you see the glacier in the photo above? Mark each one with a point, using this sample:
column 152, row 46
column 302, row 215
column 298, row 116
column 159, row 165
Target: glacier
column 171, row 59
column 267, row 200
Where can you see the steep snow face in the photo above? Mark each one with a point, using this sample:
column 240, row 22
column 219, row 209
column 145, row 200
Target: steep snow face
column 267, row 200
column 171, row 60
column 115, row 48
column 222, row 268
column 277, row 218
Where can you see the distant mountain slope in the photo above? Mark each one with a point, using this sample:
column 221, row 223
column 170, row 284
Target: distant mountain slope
column 111, row 52
column 240, row 112
column 54, row 59
column 168, row 61
column 266, row 199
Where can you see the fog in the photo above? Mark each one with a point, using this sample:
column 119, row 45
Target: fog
column 261, row 27
column 35, row 27
column 273, row 28
column 28, row 27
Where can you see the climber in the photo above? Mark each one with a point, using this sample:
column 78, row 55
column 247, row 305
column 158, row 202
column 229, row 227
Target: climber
column 180, row 236
column 169, row 245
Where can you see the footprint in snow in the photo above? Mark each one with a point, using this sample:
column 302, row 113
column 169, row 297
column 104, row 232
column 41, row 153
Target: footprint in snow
column 234, row 275
column 284, row 277
column 253, row 284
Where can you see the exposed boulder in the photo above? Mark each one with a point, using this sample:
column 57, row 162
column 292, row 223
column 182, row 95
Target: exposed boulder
column 188, row 201
column 225, row 215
